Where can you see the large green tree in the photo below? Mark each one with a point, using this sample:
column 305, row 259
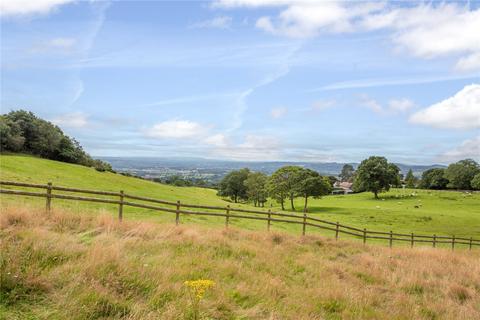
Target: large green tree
column 375, row 174
column 22, row 131
column 256, row 184
column 311, row 184
column 233, row 185
column 434, row 179
column 347, row 173
column 288, row 178
column 476, row 182
column 461, row 173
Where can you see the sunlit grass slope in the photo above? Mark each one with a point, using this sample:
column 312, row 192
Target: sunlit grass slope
column 79, row 266
column 410, row 210
column 419, row 211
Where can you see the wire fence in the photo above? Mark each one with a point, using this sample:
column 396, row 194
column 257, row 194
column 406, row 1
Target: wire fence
column 122, row 199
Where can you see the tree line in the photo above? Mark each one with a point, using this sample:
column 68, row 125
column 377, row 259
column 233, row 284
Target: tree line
column 23, row 132
column 461, row 175
column 374, row 174
column 283, row 185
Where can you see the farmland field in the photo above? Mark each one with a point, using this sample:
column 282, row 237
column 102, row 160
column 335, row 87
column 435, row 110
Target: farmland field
column 419, row 211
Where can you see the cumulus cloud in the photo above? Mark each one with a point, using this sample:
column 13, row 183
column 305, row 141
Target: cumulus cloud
column 468, row 149
column 425, row 30
column 71, row 120
column 29, row 7
column 371, row 104
column 393, row 106
column 462, row 111
column 222, row 22
column 177, row 129
column 279, row 112
column 400, row 105
column 471, row 62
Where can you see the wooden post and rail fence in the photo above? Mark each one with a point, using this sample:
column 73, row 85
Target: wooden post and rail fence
column 123, row 199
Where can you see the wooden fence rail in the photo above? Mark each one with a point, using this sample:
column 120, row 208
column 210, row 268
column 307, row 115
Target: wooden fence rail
column 123, row 199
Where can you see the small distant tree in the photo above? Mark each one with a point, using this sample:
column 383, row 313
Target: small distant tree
column 410, row 179
column 375, row 174
column 347, row 173
column 233, row 185
column 277, row 188
column 332, row 180
column 256, row 184
column 461, row 173
column 311, row 184
column 476, row 182
column 434, row 179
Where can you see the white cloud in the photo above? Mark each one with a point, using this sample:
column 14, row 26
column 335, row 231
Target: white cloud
column 400, row 105
column 217, row 140
column 468, row 149
column 382, row 82
column 279, row 112
column 71, row 120
column 424, row 30
column 393, row 106
column 179, row 129
column 28, row 7
column 322, row 105
column 371, row 104
column 471, row 62
column 222, row 22
column 462, row 111
column 55, row 45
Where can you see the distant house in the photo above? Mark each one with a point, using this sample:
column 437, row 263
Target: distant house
column 342, row 187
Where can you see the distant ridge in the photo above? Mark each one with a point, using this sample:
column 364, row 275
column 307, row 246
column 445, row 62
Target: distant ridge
column 223, row 166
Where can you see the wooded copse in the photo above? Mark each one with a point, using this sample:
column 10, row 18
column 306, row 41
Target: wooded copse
column 21, row 131
column 374, row 174
column 283, row 185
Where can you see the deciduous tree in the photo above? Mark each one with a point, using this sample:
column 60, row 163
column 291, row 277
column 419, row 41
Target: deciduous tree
column 461, row 173
column 311, row 184
column 375, row 174
column 233, row 186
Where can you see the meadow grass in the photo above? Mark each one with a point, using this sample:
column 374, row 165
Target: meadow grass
column 65, row 265
column 410, row 210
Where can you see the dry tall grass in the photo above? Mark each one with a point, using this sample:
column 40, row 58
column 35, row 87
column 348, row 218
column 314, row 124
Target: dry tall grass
column 67, row 266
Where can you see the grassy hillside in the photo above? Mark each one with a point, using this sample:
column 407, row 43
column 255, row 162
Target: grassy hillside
column 419, row 211
column 70, row 266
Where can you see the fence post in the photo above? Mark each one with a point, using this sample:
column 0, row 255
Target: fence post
column 470, row 244
column 177, row 213
column 391, row 238
column 364, row 235
column 304, row 223
column 336, row 231
column 228, row 217
column 269, row 222
column 434, row 240
column 453, row 243
column 412, row 241
column 120, row 206
column 48, row 203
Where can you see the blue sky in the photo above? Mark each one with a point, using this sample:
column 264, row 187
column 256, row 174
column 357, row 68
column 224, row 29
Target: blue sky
column 250, row 79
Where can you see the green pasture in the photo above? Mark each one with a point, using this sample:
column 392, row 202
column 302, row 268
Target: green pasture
column 419, row 211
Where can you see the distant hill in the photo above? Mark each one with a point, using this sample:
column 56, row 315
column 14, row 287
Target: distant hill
column 215, row 169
